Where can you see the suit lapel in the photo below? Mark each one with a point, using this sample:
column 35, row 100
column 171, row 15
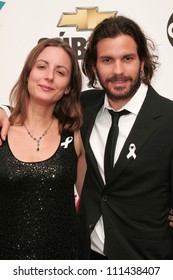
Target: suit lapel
column 145, row 124
column 90, row 115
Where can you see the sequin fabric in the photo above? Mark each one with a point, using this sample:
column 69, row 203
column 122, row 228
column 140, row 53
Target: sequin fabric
column 38, row 219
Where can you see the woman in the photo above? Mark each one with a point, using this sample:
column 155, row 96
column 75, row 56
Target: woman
column 43, row 158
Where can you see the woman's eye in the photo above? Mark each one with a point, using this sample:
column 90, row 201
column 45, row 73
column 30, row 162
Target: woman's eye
column 60, row 73
column 41, row 66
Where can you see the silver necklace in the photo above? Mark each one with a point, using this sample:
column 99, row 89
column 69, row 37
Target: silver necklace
column 38, row 139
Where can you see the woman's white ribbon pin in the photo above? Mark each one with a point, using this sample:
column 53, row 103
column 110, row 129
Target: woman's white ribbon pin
column 132, row 149
column 67, row 141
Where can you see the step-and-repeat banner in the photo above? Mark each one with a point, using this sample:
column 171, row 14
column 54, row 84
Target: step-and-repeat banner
column 24, row 22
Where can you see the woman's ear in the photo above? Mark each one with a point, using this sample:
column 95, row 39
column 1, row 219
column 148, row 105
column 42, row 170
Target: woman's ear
column 67, row 91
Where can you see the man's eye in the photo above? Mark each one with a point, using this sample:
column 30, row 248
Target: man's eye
column 128, row 58
column 106, row 60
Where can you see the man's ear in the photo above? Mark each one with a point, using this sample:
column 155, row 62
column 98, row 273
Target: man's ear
column 142, row 65
column 94, row 70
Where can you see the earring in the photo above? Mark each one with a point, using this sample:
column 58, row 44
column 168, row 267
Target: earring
column 66, row 92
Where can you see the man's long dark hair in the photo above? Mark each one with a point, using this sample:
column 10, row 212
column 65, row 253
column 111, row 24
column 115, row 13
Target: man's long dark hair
column 111, row 28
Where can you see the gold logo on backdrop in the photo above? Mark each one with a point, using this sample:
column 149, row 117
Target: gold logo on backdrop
column 84, row 18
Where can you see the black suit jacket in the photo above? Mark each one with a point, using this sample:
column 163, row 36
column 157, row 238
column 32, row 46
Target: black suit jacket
column 136, row 201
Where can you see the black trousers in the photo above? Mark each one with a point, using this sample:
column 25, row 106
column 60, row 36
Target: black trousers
column 97, row 256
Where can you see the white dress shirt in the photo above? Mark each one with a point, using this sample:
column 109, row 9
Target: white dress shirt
column 98, row 141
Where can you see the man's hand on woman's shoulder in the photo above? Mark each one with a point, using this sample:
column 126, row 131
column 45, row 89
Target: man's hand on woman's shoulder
column 4, row 125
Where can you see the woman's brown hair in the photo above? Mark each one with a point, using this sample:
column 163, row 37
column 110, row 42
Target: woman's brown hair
column 68, row 109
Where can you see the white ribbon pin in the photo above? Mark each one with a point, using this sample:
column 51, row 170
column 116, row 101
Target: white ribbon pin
column 132, row 149
column 67, row 141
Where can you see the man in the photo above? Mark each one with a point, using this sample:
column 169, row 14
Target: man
column 124, row 216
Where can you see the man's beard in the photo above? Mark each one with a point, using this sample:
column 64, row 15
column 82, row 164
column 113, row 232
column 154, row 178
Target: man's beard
column 129, row 94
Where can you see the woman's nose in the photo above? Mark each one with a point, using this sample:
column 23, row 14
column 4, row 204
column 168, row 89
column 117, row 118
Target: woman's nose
column 49, row 74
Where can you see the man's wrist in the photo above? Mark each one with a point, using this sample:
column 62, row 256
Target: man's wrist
column 6, row 109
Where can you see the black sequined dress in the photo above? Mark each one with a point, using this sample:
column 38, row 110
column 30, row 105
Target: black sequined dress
column 38, row 218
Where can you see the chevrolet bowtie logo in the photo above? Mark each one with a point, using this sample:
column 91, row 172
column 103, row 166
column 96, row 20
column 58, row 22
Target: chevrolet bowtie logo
column 84, row 19
column 1, row 4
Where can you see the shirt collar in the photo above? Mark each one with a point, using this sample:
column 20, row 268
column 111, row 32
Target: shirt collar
column 134, row 104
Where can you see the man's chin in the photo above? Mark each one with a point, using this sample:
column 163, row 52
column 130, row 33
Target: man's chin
column 117, row 95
